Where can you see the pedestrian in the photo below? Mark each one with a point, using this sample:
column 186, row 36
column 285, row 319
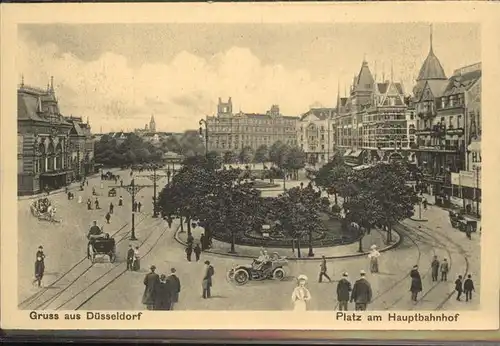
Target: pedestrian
column 435, row 268
column 197, row 252
column 151, row 281
column 361, row 293
column 468, row 288
column 468, row 232
column 93, row 191
column 121, row 182
column 39, row 253
column 39, row 270
column 136, row 265
column 120, row 201
column 208, row 273
column 169, row 221
column 108, row 216
column 111, row 207
column 458, row 287
column 323, row 270
column 89, row 204
column 162, row 294
column 373, row 256
column 96, row 202
column 416, row 283
column 445, row 268
column 343, row 292
column 174, row 287
column 134, row 207
column 424, row 203
column 130, row 257
column 80, row 200
column 87, row 182
column 301, row 295
column 189, row 252
column 139, row 205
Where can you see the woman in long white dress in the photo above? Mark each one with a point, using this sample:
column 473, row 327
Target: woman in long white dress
column 301, row 294
column 373, row 256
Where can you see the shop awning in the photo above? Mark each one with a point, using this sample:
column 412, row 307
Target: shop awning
column 475, row 146
column 54, row 174
column 348, row 152
column 356, row 153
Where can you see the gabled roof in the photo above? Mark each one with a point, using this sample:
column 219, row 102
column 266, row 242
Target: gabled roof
column 320, row 113
column 30, row 103
column 77, row 129
column 461, row 82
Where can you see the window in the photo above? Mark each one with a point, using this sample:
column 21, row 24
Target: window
column 459, row 121
column 450, row 121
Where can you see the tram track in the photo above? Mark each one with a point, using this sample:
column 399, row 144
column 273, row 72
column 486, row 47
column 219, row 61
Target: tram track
column 102, row 288
column 27, row 304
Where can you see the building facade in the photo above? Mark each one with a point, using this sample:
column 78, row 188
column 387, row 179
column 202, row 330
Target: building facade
column 443, row 119
column 316, row 135
column 371, row 123
column 81, row 148
column 43, row 141
column 466, row 184
column 228, row 131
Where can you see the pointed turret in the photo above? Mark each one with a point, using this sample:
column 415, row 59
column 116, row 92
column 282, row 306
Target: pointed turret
column 365, row 79
column 431, row 68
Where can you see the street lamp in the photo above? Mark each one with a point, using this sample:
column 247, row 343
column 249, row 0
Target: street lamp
column 133, row 190
column 154, row 178
column 204, row 122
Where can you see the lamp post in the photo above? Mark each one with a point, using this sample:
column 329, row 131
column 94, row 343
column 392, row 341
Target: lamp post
column 133, row 189
column 204, row 122
column 154, row 178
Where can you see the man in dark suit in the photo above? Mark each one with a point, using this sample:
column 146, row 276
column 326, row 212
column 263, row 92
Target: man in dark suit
column 343, row 292
column 150, row 281
column 361, row 292
column 130, row 257
column 174, row 287
column 207, row 279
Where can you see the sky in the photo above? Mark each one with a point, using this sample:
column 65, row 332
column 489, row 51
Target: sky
column 118, row 75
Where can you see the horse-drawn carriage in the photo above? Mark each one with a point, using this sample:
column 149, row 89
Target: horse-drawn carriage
column 112, row 192
column 101, row 245
column 461, row 222
column 44, row 210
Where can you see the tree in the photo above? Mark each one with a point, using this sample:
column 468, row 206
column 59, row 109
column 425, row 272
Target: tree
column 333, row 177
column 214, row 160
column 261, row 154
column 298, row 212
column 295, row 160
column 246, row 155
column 278, row 153
column 229, row 157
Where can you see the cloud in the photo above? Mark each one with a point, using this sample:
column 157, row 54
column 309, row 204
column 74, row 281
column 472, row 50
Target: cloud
column 179, row 92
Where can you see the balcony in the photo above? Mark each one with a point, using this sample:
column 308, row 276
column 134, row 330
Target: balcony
column 436, row 148
column 426, row 114
column 455, row 132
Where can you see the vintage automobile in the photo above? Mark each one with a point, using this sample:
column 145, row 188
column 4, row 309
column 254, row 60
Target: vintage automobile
column 101, row 245
column 274, row 269
column 461, row 222
column 112, row 192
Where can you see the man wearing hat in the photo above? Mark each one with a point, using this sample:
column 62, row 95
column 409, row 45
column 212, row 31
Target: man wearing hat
column 174, row 285
column 151, row 282
column 343, row 292
column 361, row 292
column 208, row 272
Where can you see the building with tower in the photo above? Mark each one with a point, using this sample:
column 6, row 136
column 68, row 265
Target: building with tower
column 447, row 113
column 42, row 140
column 152, row 124
column 229, row 131
column 371, row 122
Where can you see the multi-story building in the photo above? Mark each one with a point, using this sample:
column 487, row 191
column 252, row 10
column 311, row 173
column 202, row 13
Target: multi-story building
column 441, row 127
column 371, row 122
column 42, row 140
column 81, row 148
column 228, row 131
column 466, row 184
column 315, row 134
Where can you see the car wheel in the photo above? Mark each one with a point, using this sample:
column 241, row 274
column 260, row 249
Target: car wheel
column 279, row 274
column 241, row 276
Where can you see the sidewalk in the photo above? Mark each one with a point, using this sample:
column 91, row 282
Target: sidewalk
column 376, row 237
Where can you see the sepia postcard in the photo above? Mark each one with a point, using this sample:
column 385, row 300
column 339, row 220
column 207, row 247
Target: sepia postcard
column 269, row 166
